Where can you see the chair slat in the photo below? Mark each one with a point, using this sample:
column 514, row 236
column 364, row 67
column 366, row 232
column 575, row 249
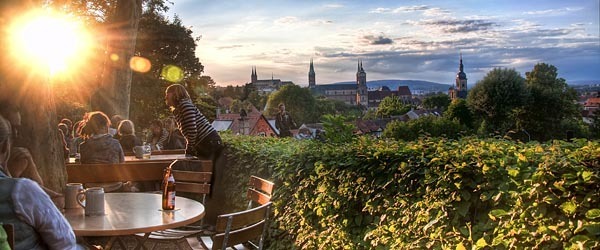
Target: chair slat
column 261, row 184
column 239, row 236
column 197, row 188
column 191, row 176
column 243, row 218
column 257, row 197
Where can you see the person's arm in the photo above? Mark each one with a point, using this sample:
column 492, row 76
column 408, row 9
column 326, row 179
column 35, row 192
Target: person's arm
column 35, row 208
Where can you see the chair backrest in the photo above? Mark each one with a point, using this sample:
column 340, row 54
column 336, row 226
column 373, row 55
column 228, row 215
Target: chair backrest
column 259, row 191
column 242, row 227
column 10, row 235
column 193, row 176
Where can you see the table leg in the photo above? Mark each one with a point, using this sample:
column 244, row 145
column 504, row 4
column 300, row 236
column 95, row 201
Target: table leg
column 140, row 241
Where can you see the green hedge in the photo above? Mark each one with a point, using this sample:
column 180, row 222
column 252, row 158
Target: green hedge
column 430, row 193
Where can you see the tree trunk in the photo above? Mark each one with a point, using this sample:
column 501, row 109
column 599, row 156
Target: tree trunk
column 32, row 92
column 112, row 97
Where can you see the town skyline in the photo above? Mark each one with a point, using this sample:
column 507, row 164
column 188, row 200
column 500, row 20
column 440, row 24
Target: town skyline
column 411, row 40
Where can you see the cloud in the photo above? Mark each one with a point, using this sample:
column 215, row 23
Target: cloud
column 230, row 46
column 286, row 20
column 460, row 26
column 377, row 40
column 402, row 9
column 552, row 11
column 436, row 12
column 333, row 6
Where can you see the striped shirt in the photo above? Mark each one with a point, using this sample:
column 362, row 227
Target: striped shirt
column 193, row 125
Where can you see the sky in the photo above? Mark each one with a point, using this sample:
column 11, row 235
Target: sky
column 410, row 39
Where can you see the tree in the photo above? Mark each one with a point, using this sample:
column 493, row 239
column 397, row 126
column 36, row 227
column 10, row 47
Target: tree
column 298, row 101
column 497, row 97
column 112, row 96
column 164, row 42
column 392, row 105
column 459, row 110
column 440, row 101
column 551, row 103
column 336, row 107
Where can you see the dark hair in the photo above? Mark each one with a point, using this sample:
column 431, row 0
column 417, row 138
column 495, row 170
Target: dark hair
column 96, row 123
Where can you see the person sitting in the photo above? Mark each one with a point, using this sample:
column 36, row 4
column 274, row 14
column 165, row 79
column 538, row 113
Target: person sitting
column 63, row 132
column 38, row 223
column 175, row 139
column 100, row 147
column 20, row 162
column 159, row 135
column 69, row 132
column 127, row 136
column 113, row 130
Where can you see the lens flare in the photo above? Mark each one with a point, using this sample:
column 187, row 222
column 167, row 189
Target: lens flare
column 172, row 73
column 140, row 64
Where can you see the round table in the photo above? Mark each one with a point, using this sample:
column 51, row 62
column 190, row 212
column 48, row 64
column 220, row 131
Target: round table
column 131, row 213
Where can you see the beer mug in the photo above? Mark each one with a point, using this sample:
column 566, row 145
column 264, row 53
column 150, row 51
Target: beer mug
column 94, row 200
column 71, row 192
column 138, row 151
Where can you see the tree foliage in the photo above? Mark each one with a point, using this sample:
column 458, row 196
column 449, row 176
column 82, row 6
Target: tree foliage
column 392, row 105
column 429, row 125
column 441, row 101
column 497, row 98
column 550, row 104
column 460, row 111
column 164, row 42
column 298, row 101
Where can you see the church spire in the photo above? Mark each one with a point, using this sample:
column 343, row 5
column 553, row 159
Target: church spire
column 461, row 67
column 311, row 75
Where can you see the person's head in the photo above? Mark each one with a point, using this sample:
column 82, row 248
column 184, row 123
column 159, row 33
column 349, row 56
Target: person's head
column 63, row 128
column 156, row 127
column 126, row 128
column 5, row 142
column 12, row 115
column 97, row 123
column 67, row 122
column 174, row 94
column 115, row 120
column 281, row 107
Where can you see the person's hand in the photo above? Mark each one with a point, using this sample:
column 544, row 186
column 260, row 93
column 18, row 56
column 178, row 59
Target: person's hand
column 59, row 201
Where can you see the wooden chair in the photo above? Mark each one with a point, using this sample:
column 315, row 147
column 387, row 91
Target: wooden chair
column 237, row 230
column 192, row 177
column 10, row 235
column 259, row 191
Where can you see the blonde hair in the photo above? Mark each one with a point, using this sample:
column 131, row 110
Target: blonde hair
column 96, row 123
column 126, row 127
column 179, row 93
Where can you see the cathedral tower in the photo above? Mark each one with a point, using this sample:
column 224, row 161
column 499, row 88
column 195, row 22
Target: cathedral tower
column 361, row 85
column 254, row 76
column 312, row 82
column 460, row 88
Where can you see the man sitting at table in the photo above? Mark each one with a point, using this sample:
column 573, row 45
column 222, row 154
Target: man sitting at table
column 38, row 223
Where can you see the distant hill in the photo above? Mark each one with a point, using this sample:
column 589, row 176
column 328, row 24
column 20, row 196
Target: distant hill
column 416, row 86
column 584, row 82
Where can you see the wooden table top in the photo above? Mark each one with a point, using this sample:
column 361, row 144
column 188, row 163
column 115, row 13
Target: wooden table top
column 131, row 213
column 165, row 157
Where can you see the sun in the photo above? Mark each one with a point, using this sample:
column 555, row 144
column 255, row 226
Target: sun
column 49, row 42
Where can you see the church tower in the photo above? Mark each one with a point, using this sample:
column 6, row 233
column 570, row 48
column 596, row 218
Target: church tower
column 361, row 88
column 254, row 76
column 461, row 81
column 312, row 82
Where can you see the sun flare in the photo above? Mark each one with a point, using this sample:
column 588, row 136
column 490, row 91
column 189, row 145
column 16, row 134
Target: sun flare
column 50, row 42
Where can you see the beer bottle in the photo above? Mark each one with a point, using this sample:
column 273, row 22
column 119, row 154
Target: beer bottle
column 168, row 195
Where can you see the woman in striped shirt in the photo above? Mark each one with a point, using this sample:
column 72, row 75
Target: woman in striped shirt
column 202, row 140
